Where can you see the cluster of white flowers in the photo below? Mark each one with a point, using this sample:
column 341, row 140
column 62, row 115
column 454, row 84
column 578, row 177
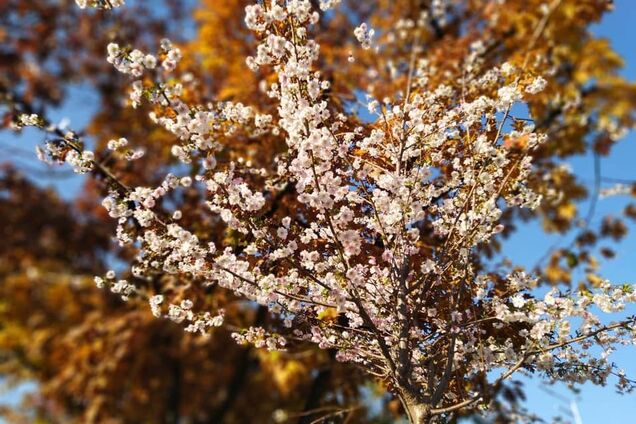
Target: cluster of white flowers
column 198, row 323
column 155, row 304
column 537, row 85
column 120, row 287
column 100, row 4
column 202, row 323
column 172, row 55
column 135, row 63
column 130, row 62
column 117, row 144
column 364, row 35
column 81, row 162
column 260, row 338
column 26, row 120
column 328, row 4
column 508, row 95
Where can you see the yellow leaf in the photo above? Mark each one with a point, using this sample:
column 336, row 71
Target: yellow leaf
column 567, row 211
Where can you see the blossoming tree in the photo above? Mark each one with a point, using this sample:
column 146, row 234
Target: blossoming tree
column 54, row 322
column 382, row 256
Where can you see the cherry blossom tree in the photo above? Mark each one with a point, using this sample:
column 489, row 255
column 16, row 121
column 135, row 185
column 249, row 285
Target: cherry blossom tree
column 380, row 260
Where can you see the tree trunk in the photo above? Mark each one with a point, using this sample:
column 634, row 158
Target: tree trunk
column 417, row 412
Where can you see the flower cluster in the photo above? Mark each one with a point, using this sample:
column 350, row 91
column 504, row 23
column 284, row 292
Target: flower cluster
column 258, row 337
column 100, row 4
column 135, row 63
column 81, row 162
column 120, row 287
column 364, row 35
column 25, row 120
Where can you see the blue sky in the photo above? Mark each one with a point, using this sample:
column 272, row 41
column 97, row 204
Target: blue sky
column 595, row 404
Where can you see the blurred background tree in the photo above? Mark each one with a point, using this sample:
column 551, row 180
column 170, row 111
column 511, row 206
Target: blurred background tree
column 95, row 359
